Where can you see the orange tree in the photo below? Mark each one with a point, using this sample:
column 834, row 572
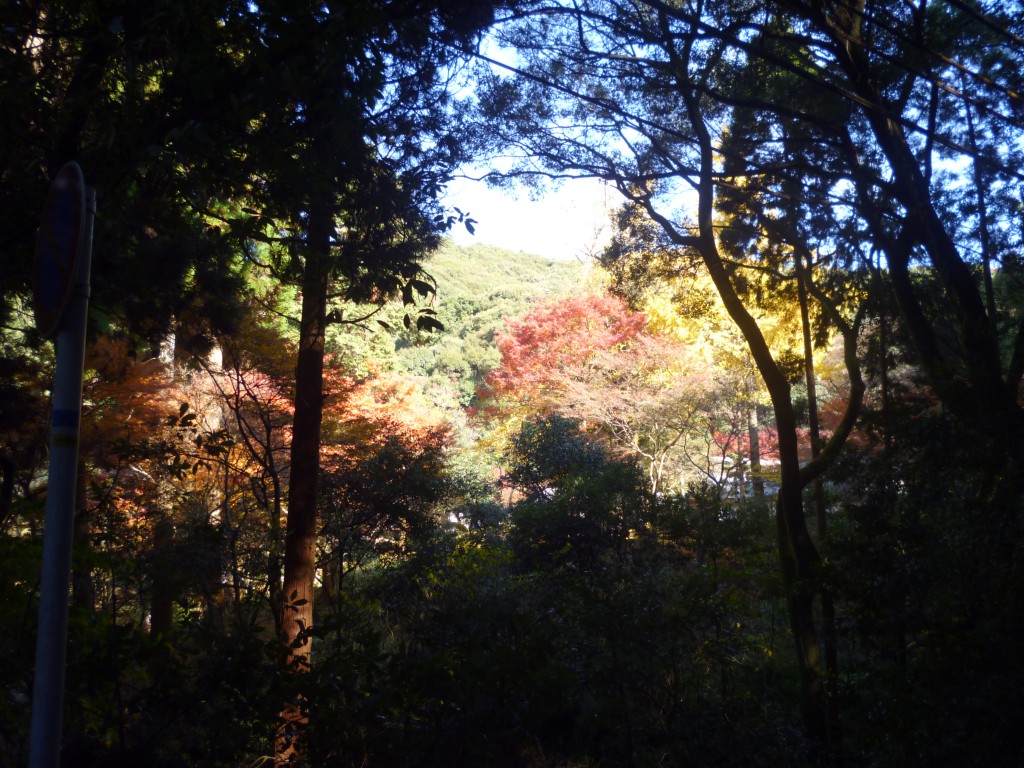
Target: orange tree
column 384, row 470
column 587, row 357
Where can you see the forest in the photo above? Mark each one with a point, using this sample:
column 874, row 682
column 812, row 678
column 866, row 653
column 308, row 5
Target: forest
column 745, row 488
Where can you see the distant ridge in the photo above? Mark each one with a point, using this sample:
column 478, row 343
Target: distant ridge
column 478, row 270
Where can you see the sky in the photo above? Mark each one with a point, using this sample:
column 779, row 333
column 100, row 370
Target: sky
column 570, row 222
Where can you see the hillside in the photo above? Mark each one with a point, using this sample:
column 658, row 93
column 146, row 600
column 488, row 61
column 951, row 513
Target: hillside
column 478, row 287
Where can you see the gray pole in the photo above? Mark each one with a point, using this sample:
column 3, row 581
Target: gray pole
column 51, row 641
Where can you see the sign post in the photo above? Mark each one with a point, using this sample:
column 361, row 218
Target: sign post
column 61, row 293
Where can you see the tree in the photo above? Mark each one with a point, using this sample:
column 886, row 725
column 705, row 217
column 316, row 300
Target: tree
column 558, row 334
column 355, row 132
column 646, row 400
column 135, row 96
column 333, row 148
column 673, row 66
column 384, row 470
column 827, row 136
column 590, row 358
column 249, row 388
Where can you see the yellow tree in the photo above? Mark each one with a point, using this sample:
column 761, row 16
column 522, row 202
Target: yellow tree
column 759, row 278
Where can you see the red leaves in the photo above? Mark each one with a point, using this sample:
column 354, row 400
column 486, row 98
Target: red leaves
column 557, row 334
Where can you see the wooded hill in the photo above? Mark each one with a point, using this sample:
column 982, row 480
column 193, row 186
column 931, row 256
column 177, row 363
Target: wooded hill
column 478, row 288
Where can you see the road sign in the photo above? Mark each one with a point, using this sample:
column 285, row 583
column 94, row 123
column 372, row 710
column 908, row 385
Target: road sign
column 63, row 263
column 58, row 247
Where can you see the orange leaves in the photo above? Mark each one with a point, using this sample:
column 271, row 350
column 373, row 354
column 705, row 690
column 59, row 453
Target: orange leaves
column 147, row 432
column 381, row 396
column 362, row 414
column 124, row 400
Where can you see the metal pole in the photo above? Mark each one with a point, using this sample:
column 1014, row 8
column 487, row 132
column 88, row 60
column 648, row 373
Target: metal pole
column 51, row 641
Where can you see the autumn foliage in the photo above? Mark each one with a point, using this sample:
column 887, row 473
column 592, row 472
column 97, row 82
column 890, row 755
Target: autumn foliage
column 647, row 394
column 365, row 412
column 557, row 334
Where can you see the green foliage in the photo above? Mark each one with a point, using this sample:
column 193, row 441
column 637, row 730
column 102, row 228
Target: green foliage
column 136, row 97
column 576, row 619
column 478, row 288
column 384, row 503
column 926, row 562
column 597, row 625
column 547, row 452
column 579, row 505
column 20, row 562
column 25, row 375
column 133, row 699
column 470, row 653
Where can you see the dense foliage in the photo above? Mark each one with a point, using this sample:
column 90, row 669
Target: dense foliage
column 749, row 492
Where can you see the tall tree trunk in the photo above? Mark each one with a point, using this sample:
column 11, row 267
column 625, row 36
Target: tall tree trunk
column 7, row 470
column 165, row 588
column 275, row 587
column 798, row 557
column 296, row 603
column 980, row 188
column 801, row 567
column 800, row 562
column 161, row 609
column 828, row 611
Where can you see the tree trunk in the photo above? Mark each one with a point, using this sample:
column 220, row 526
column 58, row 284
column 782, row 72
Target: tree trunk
column 164, row 591
column 7, row 470
column 800, row 564
column 798, row 557
column 980, row 188
column 828, row 611
column 161, row 609
column 296, row 603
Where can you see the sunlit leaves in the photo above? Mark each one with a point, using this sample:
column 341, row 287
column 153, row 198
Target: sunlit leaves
column 559, row 333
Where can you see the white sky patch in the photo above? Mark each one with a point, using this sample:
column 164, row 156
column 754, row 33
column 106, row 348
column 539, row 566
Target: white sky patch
column 571, row 220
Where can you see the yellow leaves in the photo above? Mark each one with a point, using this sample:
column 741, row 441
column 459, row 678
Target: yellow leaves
column 688, row 308
column 663, row 318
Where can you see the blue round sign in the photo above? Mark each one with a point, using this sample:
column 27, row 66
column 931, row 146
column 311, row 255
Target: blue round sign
column 58, row 245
